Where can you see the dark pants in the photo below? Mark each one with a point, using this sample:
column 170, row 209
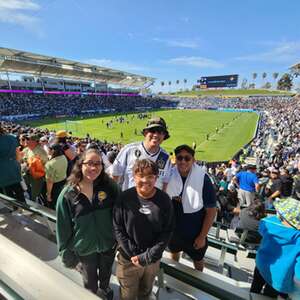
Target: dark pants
column 14, row 191
column 56, row 189
column 258, row 283
column 35, row 186
column 96, row 269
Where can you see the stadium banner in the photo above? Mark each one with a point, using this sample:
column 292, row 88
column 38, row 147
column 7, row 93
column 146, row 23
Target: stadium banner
column 224, row 81
column 235, row 110
column 67, row 93
column 21, row 117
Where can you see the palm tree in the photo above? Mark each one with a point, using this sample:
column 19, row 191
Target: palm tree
column 254, row 76
column 264, row 75
column 170, row 82
column 275, row 76
column 184, row 82
column 162, row 84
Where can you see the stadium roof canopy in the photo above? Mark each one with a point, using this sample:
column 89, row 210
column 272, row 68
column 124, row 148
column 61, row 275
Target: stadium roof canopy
column 295, row 69
column 18, row 61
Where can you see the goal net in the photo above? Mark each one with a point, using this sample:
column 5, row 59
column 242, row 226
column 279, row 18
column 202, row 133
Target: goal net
column 74, row 126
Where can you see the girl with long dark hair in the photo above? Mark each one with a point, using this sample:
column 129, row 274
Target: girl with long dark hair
column 84, row 222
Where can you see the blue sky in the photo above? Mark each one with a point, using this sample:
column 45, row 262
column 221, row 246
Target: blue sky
column 166, row 39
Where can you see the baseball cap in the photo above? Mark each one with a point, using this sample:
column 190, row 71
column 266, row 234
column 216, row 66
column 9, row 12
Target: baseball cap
column 34, row 137
column 61, row 134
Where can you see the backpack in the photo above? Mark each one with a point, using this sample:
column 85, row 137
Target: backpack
column 36, row 167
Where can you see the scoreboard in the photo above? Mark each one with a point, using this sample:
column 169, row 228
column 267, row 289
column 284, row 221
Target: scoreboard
column 218, row 81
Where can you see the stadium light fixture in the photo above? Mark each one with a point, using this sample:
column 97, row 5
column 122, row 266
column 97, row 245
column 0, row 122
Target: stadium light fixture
column 67, row 67
column 88, row 70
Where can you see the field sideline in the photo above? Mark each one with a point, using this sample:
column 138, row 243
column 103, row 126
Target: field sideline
column 185, row 126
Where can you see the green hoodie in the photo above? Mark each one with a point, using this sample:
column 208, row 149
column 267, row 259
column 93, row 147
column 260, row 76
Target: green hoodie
column 85, row 227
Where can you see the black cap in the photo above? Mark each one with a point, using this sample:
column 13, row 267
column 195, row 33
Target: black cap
column 185, row 147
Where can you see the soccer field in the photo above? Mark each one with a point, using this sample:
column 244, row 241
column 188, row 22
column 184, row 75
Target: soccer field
column 185, row 126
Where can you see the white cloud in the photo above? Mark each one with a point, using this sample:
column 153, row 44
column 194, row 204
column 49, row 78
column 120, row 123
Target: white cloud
column 18, row 12
column 18, row 4
column 195, row 61
column 115, row 64
column 180, row 43
column 284, row 52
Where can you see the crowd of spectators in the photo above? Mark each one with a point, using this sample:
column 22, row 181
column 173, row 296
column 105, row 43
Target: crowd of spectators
column 259, row 103
column 50, row 105
column 247, row 186
column 276, row 147
column 274, row 158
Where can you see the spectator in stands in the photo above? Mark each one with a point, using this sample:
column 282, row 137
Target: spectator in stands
column 194, row 202
column 35, row 158
column 56, row 174
column 230, row 171
column 229, row 204
column 286, row 183
column 84, row 222
column 273, row 188
column 296, row 187
column 61, row 138
column 223, row 184
column 10, row 175
column 248, row 185
column 154, row 134
column 249, row 219
column 111, row 156
column 23, row 141
column 44, row 144
column 143, row 222
column 80, row 147
column 277, row 260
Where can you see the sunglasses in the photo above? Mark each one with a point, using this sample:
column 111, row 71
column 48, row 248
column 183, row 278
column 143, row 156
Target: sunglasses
column 91, row 163
column 155, row 129
column 183, row 157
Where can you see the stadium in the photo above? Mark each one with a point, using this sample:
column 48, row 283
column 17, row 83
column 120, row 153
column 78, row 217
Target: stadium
column 87, row 106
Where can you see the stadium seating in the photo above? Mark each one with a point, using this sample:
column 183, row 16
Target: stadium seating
column 174, row 275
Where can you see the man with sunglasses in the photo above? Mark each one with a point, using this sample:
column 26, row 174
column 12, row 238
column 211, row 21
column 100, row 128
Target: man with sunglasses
column 154, row 134
column 194, row 202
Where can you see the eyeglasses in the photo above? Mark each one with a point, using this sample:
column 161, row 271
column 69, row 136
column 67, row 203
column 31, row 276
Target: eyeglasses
column 183, row 157
column 91, row 163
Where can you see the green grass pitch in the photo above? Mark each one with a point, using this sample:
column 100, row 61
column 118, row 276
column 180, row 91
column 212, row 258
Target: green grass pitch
column 185, row 126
